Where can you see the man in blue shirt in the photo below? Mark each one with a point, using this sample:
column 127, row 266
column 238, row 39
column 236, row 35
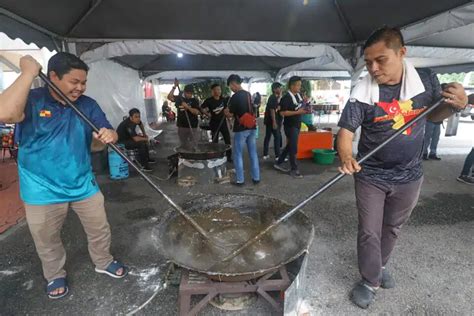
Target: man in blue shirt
column 54, row 165
column 387, row 185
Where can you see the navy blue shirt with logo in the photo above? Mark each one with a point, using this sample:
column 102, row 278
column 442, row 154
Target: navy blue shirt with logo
column 399, row 162
column 54, row 157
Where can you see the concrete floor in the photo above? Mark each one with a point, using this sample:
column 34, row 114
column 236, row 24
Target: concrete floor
column 432, row 263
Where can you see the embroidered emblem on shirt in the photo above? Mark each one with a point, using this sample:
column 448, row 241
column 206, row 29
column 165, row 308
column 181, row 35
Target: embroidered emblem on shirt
column 45, row 113
column 400, row 112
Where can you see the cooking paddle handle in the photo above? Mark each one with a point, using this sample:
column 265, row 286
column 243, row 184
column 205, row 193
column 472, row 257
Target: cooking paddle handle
column 331, row 182
column 121, row 154
column 338, row 177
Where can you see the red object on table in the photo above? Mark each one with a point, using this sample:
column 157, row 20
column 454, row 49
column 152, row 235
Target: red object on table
column 313, row 140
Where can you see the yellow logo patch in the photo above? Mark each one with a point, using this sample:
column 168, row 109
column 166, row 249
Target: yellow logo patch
column 45, row 113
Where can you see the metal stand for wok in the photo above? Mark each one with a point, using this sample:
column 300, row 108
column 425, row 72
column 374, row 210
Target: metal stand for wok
column 193, row 283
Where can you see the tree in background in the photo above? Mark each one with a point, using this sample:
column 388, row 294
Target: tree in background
column 202, row 89
column 454, row 77
column 306, row 87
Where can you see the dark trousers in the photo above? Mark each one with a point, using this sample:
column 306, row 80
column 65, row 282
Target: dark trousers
column 224, row 130
column 143, row 151
column 269, row 131
column 468, row 163
column 291, row 148
column 432, row 133
column 383, row 209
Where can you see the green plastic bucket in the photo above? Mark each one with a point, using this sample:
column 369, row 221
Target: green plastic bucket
column 323, row 156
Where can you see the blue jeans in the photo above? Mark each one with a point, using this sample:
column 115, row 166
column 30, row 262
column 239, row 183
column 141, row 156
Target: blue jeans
column 468, row 163
column 240, row 139
column 432, row 132
column 292, row 134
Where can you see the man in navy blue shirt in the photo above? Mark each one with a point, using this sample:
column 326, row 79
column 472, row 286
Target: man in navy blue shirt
column 388, row 184
column 54, row 165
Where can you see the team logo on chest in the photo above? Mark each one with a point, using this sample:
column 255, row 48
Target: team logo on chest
column 400, row 112
column 45, row 113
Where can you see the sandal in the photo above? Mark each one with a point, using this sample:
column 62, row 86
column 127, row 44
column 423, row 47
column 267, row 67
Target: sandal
column 57, row 284
column 111, row 270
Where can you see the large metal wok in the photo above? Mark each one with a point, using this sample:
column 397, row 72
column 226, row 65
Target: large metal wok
column 202, row 151
column 230, row 220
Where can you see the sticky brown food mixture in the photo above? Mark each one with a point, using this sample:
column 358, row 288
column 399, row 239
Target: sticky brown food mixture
column 228, row 228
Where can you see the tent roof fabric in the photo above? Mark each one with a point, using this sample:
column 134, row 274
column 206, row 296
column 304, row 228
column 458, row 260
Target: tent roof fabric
column 342, row 24
column 256, row 20
column 152, row 64
column 152, row 56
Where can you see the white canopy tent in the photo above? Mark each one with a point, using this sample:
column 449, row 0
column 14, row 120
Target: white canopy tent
column 311, row 38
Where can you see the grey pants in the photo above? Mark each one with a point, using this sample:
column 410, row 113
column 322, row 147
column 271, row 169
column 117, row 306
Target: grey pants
column 383, row 209
column 432, row 132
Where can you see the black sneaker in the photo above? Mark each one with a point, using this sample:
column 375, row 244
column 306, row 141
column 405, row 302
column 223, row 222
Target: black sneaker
column 255, row 181
column 466, row 179
column 363, row 295
column 280, row 168
column 296, row 174
column 425, row 157
column 151, row 161
column 433, row 157
column 237, row 184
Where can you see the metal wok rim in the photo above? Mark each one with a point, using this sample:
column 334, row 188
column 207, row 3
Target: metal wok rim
column 170, row 213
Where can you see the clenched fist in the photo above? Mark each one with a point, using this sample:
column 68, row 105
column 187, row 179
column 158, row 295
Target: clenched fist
column 29, row 66
column 106, row 136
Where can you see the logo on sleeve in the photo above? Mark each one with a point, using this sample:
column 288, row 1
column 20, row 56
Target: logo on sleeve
column 45, row 113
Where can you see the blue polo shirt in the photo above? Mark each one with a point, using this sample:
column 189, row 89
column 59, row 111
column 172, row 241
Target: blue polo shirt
column 54, row 160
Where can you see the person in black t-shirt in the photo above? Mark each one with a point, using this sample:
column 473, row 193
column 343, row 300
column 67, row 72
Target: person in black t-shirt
column 188, row 112
column 214, row 107
column 291, row 108
column 388, row 184
column 127, row 135
column 239, row 104
column 273, row 120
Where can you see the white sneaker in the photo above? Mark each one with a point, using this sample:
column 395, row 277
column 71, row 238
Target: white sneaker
column 266, row 157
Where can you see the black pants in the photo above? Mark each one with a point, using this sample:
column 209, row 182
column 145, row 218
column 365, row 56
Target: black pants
column 143, row 151
column 269, row 131
column 225, row 134
column 292, row 134
column 468, row 163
